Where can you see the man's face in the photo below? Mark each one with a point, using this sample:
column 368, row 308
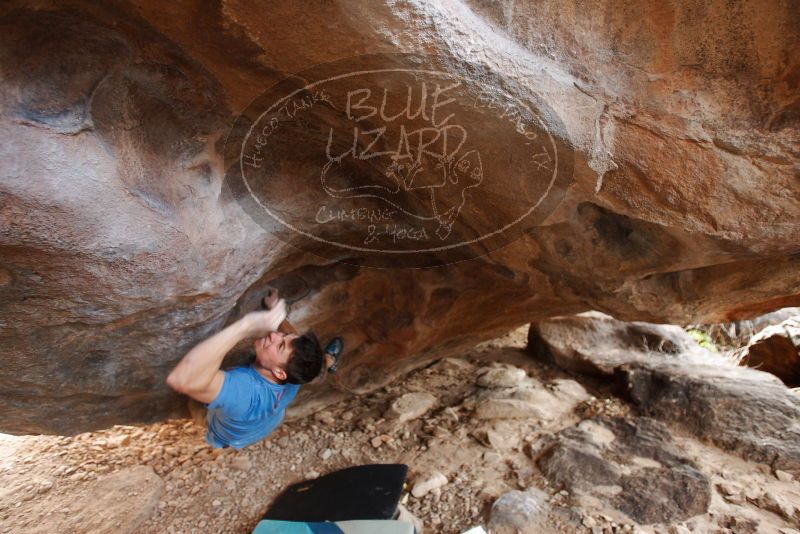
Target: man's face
column 273, row 352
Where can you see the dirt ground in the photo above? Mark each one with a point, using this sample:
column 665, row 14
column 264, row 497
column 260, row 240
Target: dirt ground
column 61, row 484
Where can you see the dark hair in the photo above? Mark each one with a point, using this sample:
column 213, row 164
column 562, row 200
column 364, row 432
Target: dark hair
column 306, row 361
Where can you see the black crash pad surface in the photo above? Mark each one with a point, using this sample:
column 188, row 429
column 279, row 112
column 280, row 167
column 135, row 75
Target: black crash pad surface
column 361, row 492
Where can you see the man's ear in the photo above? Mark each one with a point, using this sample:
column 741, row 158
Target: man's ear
column 279, row 373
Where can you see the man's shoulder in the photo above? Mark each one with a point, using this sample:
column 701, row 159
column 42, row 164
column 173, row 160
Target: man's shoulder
column 237, row 383
column 243, row 372
column 241, row 387
column 251, row 372
column 248, row 376
column 241, row 369
column 246, row 382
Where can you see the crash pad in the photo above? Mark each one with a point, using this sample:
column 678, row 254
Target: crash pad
column 360, row 492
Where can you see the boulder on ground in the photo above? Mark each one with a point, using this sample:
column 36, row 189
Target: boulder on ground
column 737, row 408
column 508, row 393
column 502, row 377
column 786, row 506
column 520, row 512
column 595, row 343
column 509, row 409
column 776, row 350
column 570, row 390
column 427, row 482
column 410, row 406
column 117, row 503
column 639, row 472
column 501, row 435
column 671, row 378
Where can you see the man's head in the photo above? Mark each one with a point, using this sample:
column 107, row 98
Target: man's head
column 296, row 359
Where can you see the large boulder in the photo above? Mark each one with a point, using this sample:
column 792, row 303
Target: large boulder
column 654, row 147
column 669, row 377
column 632, row 464
column 738, row 409
column 776, row 350
column 596, row 343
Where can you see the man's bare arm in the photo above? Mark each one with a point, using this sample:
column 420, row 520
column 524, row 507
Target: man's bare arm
column 198, row 375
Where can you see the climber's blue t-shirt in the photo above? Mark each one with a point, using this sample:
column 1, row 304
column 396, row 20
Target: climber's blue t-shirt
column 247, row 408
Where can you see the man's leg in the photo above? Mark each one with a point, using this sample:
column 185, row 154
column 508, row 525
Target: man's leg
column 333, row 354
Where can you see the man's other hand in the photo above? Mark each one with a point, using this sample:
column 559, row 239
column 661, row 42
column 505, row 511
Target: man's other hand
column 259, row 323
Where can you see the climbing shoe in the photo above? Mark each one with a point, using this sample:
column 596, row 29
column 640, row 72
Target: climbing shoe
column 335, row 347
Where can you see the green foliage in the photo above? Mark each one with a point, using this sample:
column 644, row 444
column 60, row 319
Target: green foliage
column 703, row 339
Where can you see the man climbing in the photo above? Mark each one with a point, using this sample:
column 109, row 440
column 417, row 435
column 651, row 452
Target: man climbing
column 246, row 404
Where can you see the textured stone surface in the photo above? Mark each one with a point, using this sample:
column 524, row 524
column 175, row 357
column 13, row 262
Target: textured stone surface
column 508, row 409
column 503, row 377
column 410, row 406
column 120, row 502
column 671, row 378
column 738, row 409
column 776, row 350
column 520, row 512
column 427, row 482
column 120, row 248
column 598, row 344
column 638, row 470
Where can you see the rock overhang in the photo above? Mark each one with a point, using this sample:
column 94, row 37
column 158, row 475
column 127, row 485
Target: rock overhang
column 123, row 246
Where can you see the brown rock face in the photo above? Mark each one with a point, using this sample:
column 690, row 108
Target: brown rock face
column 776, row 350
column 640, row 160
